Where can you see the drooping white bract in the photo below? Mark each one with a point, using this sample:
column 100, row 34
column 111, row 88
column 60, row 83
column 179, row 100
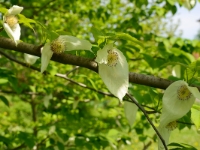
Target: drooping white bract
column 61, row 44
column 178, row 99
column 10, row 23
column 130, row 110
column 113, row 69
column 30, row 59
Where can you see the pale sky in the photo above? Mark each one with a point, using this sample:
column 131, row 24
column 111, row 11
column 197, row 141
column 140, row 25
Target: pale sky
column 188, row 21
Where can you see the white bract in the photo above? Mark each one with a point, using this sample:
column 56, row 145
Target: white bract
column 113, row 69
column 61, row 44
column 178, row 99
column 10, row 23
column 30, row 59
column 130, row 110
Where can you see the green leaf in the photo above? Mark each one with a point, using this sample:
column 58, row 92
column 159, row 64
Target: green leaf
column 112, row 135
column 3, row 80
column 27, row 138
column 178, row 52
column 101, row 42
column 130, row 110
column 26, row 21
column 195, row 115
column 96, row 33
column 4, row 139
column 192, row 70
column 80, row 141
column 189, row 4
column 160, row 11
column 128, row 37
column 4, row 100
column 14, row 83
column 174, row 64
column 171, row 2
column 181, row 146
column 61, row 146
column 3, row 10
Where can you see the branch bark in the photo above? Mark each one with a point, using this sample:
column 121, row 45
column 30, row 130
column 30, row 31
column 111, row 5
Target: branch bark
column 136, row 78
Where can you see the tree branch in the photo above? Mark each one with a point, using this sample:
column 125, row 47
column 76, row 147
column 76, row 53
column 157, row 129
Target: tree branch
column 64, row 76
column 149, row 120
column 136, row 78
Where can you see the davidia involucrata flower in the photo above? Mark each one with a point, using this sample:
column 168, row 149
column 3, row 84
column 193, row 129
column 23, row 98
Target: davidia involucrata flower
column 177, row 100
column 113, row 69
column 61, row 44
column 10, row 23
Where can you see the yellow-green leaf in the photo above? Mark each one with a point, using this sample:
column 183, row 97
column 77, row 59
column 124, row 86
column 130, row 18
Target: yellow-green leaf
column 195, row 115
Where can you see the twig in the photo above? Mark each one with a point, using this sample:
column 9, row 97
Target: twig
column 153, row 110
column 149, row 143
column 75, row 68
column 17, row 61
column 82, row 85
column 27, row 93
column 187, row 123
column 146, row 115
column 34, row 114
column 58, row 75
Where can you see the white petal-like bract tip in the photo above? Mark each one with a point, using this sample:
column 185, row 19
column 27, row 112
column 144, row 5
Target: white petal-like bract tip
column 74, row 43
column 165, row 133
column 14, row 32
column 45, row 56
column 30, row 59
column 14, row 10
column 130, row 110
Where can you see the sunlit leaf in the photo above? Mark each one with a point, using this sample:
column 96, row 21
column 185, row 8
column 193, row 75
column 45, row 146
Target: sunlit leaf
column 3, row 10
column 195, row 115
column 178, row 146
column 3, row 80
column 26, row 21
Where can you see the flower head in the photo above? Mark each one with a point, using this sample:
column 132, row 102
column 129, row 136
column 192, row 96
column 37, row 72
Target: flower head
column 178, row 98
column 10, row 23
column 61, row 44
column 113, row 69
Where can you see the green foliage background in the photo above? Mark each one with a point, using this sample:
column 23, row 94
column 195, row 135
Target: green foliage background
column 40, row 111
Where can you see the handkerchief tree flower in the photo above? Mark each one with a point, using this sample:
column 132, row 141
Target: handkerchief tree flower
column 61, row 44
column 10, row 23
column 113, row 69
column 177, row 100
